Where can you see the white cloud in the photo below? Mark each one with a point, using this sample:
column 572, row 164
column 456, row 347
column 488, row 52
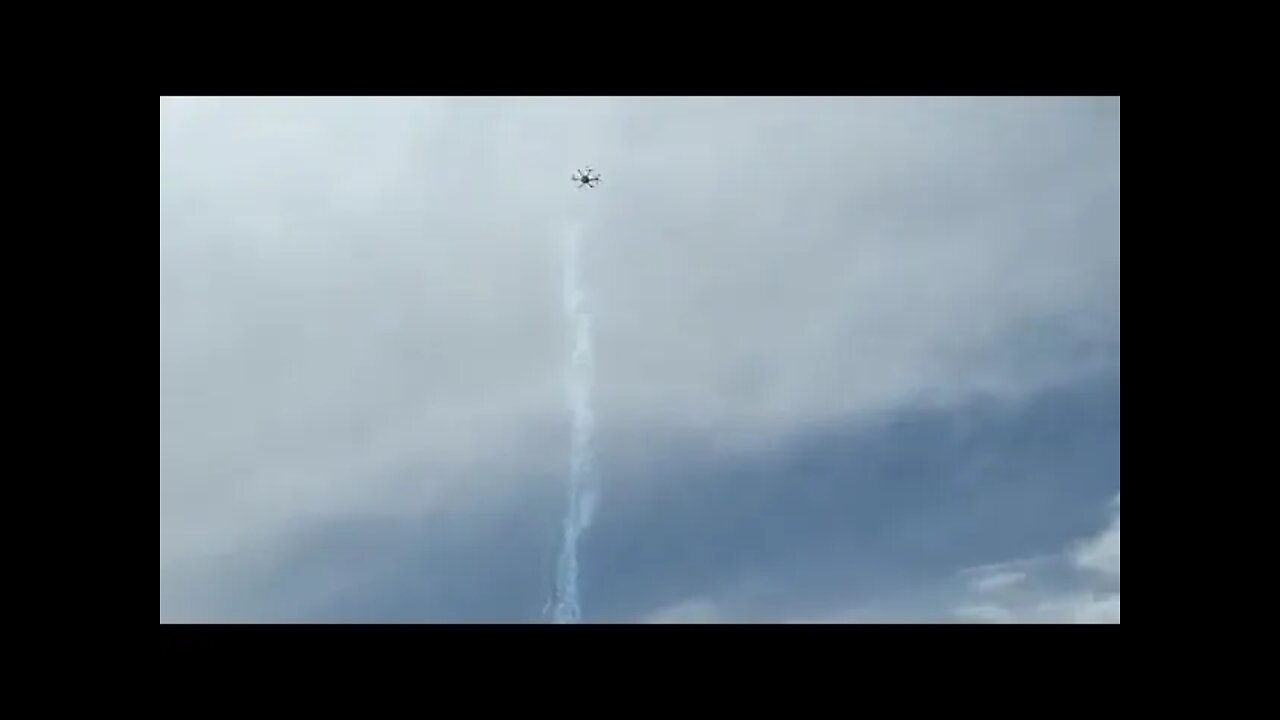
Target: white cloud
column 1085, row 607
column 697, row 610
column 359, row 298
column 1101, row 554
column 983, row 613
column 1066, row 587
column 1071, row 586
column 999, row 581
column 1080, row 585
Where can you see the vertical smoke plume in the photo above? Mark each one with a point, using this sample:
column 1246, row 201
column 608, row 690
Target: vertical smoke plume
column 565, row 604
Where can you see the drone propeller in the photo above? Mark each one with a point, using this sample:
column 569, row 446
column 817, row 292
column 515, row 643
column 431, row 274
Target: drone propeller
column 586, row 177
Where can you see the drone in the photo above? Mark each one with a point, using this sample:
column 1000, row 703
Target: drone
column 586, row 179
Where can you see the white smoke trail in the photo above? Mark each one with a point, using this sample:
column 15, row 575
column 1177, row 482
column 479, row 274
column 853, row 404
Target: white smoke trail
column 565, row 605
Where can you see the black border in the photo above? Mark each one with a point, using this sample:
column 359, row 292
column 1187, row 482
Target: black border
column 649, row 51
column 983, row 653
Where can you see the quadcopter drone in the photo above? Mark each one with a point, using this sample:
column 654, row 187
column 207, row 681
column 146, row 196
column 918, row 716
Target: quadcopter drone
column 586, row 179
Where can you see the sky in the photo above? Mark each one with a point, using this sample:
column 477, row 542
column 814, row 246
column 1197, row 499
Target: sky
column 856, row 359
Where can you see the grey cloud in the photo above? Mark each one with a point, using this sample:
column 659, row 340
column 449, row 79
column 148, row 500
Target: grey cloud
column 360, row 297
column 857, row 524
column 849, row 256
column 877, row 516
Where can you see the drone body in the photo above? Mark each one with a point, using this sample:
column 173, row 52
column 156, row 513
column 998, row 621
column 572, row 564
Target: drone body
column 586, row 179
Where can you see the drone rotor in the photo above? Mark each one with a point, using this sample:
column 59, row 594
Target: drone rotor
column 586, row 177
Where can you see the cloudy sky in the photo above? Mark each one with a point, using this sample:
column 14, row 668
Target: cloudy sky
column 857, row 359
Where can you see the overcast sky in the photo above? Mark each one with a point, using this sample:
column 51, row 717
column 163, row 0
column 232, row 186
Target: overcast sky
column 858, row 359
